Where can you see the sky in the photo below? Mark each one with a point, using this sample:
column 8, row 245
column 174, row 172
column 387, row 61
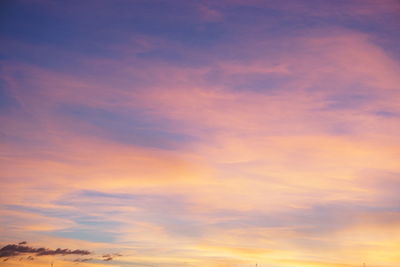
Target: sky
column 213, row 133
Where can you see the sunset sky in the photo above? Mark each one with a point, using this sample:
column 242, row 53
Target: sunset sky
column 208, row 133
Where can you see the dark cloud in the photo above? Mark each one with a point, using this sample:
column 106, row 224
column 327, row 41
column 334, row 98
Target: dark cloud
column 109, row 257
column 16, row 250
column 27, row 253
column 83, row 260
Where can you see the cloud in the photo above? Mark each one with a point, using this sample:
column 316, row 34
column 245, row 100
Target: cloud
column 12, row 250
column 20, row 252
column 109, row 257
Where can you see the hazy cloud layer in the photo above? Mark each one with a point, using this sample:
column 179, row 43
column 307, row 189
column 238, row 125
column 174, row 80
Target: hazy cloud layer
column 212, row 133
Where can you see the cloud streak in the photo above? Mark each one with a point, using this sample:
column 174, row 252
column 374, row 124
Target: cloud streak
column 12, row 250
